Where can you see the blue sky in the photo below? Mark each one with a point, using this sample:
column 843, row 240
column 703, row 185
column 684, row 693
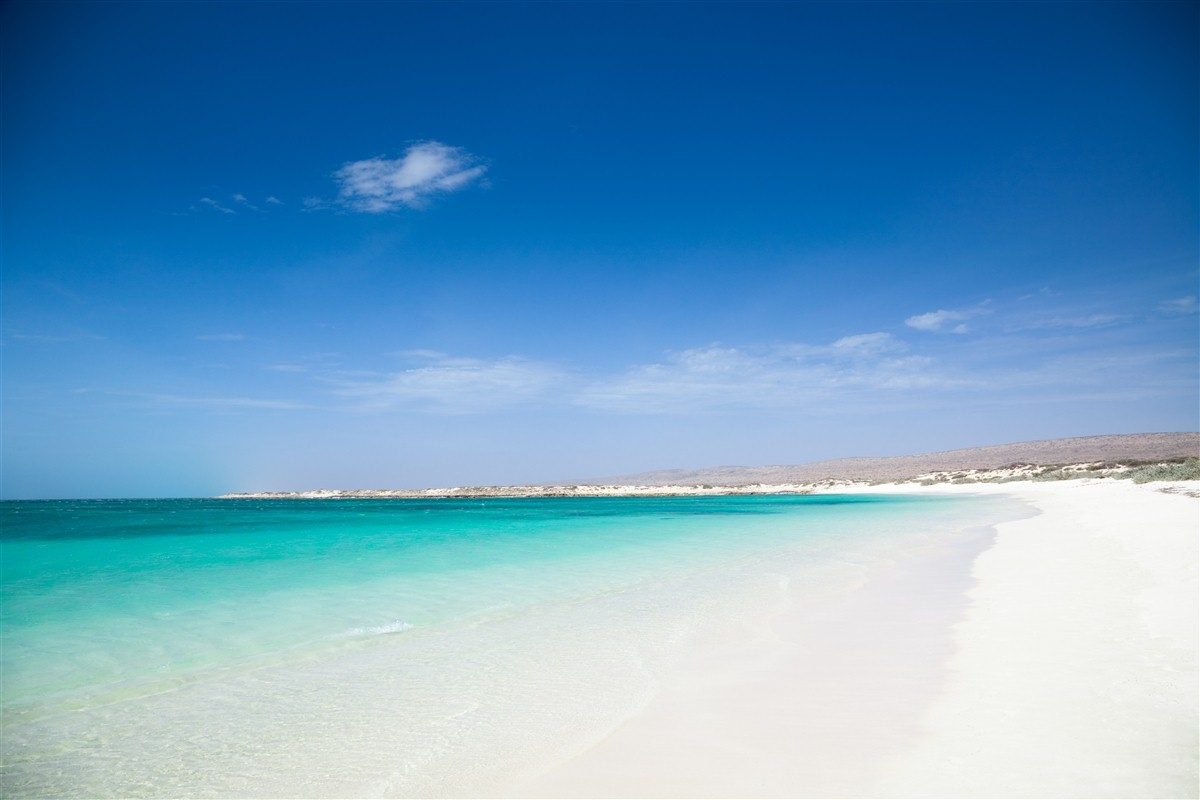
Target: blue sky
column 285, row 246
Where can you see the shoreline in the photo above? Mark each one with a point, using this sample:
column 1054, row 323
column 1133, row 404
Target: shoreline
column 1185, row 472
column 523, row 491
column 1036, row 639
column 813, row 711
column 1054, row 657
column 1075, row 672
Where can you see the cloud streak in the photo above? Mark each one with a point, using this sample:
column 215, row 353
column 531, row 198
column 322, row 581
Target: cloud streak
column 1074, row 323
column 208, row 201
column 1102, row 356
column 426, row 170
column 1180, row 305
column 165, row 401
column 859, row 372
column 853, row 368
column 444, row 384
column 940, row 321
column 380, row 185
column 947, row 320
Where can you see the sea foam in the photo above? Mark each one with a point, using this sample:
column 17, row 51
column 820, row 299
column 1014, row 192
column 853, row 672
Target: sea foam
column 379, row 630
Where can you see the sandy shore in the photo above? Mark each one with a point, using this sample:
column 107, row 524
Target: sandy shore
column 1055, row 656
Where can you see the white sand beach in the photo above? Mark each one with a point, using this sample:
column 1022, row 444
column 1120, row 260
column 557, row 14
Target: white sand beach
column 1055, row 656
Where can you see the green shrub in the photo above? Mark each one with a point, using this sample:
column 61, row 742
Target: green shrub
column 1188, row 470
column 1059, row 474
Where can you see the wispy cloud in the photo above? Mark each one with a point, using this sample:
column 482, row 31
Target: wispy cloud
column 165, row 401
column 852, row 369
column 42, row 338
column 1041, row 293
column 1076, row 322
column 318, row 363
column 241, row 200
column 865, row 344
column 1180, row 305
column 427, row 169
column 50, row 338
column 208, row 201
column 237, row 201
column 864, row 372
column 454, row 385
column 222, row 337
column 944, row 321
column 378, row 185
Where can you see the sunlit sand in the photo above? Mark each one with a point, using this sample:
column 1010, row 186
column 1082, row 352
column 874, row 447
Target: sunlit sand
column 1055, row 657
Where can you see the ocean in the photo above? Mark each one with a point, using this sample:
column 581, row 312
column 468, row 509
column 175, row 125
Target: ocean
column 325, row 648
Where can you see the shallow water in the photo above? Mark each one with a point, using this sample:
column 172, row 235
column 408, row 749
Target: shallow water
column 387, row 647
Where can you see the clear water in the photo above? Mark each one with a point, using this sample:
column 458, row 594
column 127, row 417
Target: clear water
column 385, row 647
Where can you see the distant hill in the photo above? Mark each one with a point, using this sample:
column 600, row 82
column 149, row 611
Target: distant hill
column 1121, row 448
column 1124, row 450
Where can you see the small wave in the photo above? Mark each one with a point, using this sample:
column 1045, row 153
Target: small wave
column 379, row 630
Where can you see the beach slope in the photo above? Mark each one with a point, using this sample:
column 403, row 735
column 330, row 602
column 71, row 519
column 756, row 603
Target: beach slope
column 1054, row 658
column 1075, row 670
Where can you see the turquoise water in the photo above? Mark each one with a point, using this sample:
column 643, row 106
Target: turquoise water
column 385, row 647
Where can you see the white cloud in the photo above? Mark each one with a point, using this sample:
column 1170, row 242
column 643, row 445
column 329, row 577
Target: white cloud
column 208, row 201
column 943, row 321
column 422, row 354
column 1087, row 321
column 274, row 201
column 377, row 185
column 1180, row 305
column 241, row 200
column 39, row 337
column 1045, row 291
column 863, row 371
column 454, row 385
column 853, row 368
column 868, row 344
column 222, row 337
column 938, row 321
column 163, row 401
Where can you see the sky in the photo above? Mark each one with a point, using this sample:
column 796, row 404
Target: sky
column 283, row 246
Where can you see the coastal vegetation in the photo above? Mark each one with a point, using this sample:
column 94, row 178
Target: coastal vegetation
column 1186, row 468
